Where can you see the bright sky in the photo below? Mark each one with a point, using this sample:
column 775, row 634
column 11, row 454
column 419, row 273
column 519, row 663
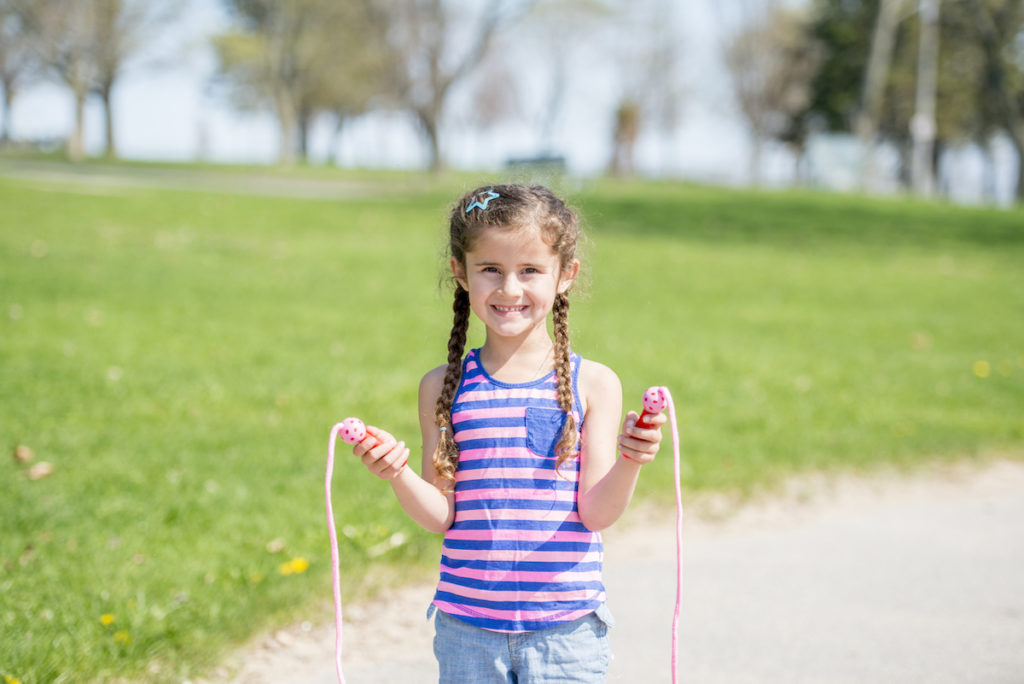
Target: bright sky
column 172, row 112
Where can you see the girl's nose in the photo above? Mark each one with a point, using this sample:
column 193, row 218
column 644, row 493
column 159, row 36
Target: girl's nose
column 510, row 285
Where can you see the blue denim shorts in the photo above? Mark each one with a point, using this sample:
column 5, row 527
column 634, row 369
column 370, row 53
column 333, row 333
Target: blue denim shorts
column 577, row 651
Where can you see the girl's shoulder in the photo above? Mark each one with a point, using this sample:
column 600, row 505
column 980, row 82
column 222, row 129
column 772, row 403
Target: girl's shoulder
column 597, row 382
column 433, row 381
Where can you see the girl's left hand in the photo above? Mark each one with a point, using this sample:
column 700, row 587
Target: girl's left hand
column 640, row 445
column 381, row 454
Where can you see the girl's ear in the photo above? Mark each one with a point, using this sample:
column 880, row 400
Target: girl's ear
column 459, row 272
column 568, row 276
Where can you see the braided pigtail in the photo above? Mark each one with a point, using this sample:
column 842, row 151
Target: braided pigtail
column 566, row 447
column 446, row 457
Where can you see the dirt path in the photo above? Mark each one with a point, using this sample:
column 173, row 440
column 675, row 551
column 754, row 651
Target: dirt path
column 113, row 179
column 892, row 578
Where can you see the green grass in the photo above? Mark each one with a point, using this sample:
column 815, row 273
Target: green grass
column 179, row 358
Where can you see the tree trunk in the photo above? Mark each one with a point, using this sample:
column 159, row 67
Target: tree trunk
column 429, row 122
column 879, row 59
column 76, row 141
column 303, row 132
column 756, row 147
column 108, row 119
column 799, row 152
column 1018, row 145
column 288, row 124
column 922, row 125
column 6, row 135
column 999, row 83
column 988, row 172
column 333, row 156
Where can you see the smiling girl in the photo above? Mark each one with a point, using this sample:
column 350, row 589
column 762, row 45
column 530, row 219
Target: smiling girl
column 520, row 454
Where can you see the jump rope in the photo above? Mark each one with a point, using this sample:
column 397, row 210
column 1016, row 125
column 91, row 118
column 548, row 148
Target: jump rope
column 353, row 431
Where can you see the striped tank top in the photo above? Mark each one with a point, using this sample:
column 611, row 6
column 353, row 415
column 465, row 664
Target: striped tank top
column 517, row 557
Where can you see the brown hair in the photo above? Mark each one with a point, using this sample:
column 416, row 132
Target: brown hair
column 513, row 207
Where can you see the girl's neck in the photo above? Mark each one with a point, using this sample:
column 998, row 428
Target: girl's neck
column 516, row 361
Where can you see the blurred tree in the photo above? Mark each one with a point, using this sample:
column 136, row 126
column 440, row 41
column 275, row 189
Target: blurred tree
column 922, row 124
column 773, row 61
column 123, row 28
column 646, row 48
column 439, row 44
column 876, row 75
column 965, row 98
column 302, row 58
column 367, row 78
column 999, row 27
column 553, row 34
column 17, row 58
column 86, row 45
column 63, row 35
column 627, row 130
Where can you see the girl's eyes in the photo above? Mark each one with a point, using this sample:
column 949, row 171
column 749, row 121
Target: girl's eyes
column 494, row 269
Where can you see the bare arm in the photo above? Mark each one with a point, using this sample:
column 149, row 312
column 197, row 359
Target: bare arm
column 420, row 497
column 607, row 481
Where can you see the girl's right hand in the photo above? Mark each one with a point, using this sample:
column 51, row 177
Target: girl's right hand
column 381, row 454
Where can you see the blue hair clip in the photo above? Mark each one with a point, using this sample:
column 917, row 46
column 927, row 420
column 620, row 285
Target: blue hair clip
column 487, row 197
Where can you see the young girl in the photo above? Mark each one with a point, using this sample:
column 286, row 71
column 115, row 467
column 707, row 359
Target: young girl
column 520, row 443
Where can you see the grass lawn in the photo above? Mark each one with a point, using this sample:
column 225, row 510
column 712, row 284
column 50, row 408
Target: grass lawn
column 179, row 357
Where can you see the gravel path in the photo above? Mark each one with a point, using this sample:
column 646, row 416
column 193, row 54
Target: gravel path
column 114, row 179
column 887, row 579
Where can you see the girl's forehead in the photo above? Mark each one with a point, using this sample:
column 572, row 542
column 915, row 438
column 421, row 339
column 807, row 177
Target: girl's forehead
column 525, row 240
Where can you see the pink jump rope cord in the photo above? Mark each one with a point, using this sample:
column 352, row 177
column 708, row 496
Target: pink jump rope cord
column 352, row 431
column 655, row 400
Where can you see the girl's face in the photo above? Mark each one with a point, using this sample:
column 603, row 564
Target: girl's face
column 512, row 277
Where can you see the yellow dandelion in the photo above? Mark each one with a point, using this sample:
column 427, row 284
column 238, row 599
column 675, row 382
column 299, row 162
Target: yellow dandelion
column 107, row 619
column 982, row 368
column 8, row 679
column 295, row 566
column 123, row 637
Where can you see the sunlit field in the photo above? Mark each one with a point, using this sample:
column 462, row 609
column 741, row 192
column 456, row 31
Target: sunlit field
column 177, row 359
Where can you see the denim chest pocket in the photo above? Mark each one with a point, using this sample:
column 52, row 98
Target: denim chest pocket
column 543, row 430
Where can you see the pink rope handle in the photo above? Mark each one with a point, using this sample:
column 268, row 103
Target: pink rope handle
column 335, row 562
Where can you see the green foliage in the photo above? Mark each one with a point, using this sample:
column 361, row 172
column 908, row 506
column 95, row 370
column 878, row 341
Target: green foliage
column 302, row 58
column 179, row 358
column 965, row 109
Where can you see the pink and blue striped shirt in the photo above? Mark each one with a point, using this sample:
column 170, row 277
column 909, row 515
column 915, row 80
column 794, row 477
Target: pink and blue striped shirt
column 517, row 557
